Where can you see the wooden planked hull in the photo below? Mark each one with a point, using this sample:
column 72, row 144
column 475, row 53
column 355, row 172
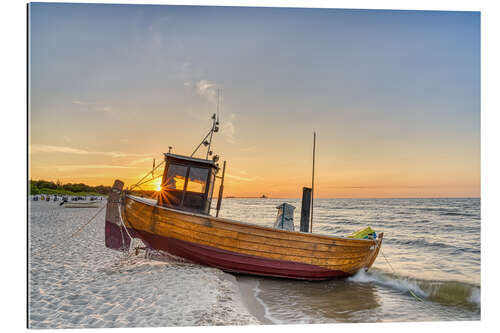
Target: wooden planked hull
column 246, row 248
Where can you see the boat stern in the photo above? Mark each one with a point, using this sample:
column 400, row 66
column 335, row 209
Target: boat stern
column 116, row 236
column 378, row 245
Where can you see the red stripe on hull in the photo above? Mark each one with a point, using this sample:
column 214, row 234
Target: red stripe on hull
column 236, row 262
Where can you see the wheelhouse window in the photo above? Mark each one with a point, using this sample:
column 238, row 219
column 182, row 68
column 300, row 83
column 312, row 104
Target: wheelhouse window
column 187, row 183
column 176, row 177
column 197, row 180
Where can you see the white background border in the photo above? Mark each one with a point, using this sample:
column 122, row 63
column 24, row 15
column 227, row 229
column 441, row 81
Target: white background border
column 14, row 159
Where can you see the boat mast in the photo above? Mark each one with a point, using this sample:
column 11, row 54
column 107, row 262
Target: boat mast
column 312, row 187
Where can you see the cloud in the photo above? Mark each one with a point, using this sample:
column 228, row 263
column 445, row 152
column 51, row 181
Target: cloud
column 57, row 149
column 244, row 179
column 95, row 106
column 156, row 31
column 228, row 129
column 207, row 90
column 38, row 148
column 142, row 160
column 81, row 103
column 88, row 166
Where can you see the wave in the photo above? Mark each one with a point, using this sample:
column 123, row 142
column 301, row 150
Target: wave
column 452, row 293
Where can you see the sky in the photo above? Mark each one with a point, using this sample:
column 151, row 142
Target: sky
column 394, row 96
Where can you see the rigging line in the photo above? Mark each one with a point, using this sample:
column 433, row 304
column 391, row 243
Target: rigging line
column 73, row 234
column 411, row 292
column 149, row 172
column 210, row 142
column 149, row 180
column 133, row 186
column 142, row 191
column 203, row 140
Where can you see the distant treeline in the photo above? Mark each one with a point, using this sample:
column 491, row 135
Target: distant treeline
column 48, row 187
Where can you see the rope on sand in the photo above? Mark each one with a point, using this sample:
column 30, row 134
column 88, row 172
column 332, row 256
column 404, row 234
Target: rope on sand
column 72, row 235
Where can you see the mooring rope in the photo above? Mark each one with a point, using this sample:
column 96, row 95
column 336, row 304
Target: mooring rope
column 72, row 235
column 394, row 272
column 132, row 239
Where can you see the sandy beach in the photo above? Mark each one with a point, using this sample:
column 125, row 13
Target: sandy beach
column 82, row 284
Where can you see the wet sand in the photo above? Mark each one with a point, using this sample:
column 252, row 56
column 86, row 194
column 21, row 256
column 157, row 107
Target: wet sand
column 254, row 306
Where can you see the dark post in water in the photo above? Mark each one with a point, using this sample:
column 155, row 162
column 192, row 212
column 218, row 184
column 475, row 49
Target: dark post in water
column 221, row 189
column 305, row 211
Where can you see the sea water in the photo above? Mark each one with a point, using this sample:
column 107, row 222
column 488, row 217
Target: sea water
column 428, row 269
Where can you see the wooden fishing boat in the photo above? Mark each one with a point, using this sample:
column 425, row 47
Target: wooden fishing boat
column 179, row 222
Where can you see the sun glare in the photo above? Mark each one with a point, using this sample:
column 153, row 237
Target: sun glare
column 157, row 185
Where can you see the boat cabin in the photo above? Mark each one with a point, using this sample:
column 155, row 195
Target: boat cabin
column 187, row 183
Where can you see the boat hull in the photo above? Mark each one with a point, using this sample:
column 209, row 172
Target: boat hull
column 237, row 262
column 240, row 247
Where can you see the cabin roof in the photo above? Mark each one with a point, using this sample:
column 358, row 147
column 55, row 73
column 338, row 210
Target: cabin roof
column 190, row 159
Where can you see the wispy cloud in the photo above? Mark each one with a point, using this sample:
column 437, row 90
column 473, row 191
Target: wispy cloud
column 207, row 90
column 156, row 31
column 38, row 148
column 87, row 166
column 81, row 103
column 93, row 105
column 244, row 179
column 228, row 129
column 142, row 160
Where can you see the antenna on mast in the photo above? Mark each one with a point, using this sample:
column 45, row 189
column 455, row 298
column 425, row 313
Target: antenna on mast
column 312, row 187
column 218, row 99
column 214, row 129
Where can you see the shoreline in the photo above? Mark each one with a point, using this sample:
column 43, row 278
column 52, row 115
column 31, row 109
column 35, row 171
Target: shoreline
column 245, row 286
